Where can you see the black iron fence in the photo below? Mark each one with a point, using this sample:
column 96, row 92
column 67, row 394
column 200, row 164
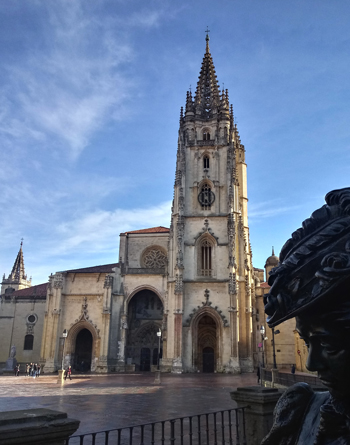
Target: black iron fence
column 217, row 428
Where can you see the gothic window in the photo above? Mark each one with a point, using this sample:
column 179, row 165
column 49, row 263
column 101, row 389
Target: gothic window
column 206, row 258
column 28, row 342
column 206, row 162
column 154, row 258
column 206, row 197
column 206, row 135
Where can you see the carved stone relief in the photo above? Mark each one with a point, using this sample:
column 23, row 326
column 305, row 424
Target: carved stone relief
column 154, row 259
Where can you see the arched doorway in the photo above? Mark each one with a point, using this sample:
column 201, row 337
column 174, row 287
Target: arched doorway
column 206, row 349
column 83, row 351
column 145, row 315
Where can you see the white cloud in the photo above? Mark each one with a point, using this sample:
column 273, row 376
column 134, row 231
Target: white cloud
column 98, row 231
column 70, row 90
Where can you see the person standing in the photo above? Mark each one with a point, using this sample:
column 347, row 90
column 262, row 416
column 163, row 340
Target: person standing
column 68, row 373
column 17, row 370
column 293, row 369
column 38, row 368
column 258, row 374
column 34, row 370
column 27, row 370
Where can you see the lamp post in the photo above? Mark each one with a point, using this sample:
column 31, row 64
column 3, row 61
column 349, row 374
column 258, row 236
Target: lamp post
column 157, row 377
column 64, row 335
column 262, row 332
column 273, row 346
column 159, row 335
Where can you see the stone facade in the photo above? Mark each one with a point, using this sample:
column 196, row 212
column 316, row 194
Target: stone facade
column 194, row 282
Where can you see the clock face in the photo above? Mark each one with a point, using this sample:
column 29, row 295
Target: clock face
column 206, row 197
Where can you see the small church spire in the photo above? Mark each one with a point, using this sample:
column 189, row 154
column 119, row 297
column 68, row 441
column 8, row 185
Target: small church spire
column 17, row 279
column 18, row 271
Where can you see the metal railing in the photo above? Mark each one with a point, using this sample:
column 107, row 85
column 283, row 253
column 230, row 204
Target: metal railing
column 289, row 379
column 220, row 427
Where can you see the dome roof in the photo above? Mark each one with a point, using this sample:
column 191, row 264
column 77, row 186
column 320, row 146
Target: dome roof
column 272, row 260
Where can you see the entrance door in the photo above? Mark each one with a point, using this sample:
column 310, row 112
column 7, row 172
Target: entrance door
column 208, row 359
column 145, row 362
column 206, row 354
column 83, row 351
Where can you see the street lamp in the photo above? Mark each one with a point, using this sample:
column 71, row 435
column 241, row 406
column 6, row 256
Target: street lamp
column 64, row 335
column 273, row 346
column 159, row 335
column 262, row 332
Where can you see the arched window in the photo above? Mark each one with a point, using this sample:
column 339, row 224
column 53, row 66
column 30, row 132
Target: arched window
column 206, row 162
column 206, row 135
column 28, row 342
column 206, row 259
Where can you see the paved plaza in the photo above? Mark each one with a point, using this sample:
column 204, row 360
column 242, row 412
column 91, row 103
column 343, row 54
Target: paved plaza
column 106, row 402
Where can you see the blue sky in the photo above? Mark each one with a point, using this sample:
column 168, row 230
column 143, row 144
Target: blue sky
column 90, row 100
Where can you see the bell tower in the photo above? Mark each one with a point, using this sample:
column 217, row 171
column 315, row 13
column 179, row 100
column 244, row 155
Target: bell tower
column 210, row 273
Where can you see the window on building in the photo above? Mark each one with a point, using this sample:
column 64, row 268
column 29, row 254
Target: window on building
column 28, row 342
column 206, row 162
column 206, row 136
column 206, row 259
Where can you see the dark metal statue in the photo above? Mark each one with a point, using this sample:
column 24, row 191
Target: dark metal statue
column 312, row 284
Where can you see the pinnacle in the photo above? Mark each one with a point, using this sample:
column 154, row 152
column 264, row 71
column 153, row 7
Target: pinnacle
column 18, row 272
column 207, row 97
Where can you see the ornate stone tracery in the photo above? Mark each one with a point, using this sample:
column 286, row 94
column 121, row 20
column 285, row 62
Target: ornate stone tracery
column 154, row 258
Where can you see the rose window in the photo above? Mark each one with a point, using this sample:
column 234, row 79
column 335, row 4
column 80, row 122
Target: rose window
column 154, row 259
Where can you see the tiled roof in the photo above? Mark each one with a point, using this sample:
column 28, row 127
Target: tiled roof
column 105, row 268
column 264, row 285
column 159, row 229
column 37, row 291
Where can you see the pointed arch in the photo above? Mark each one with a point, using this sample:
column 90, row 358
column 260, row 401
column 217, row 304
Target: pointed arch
column 206, row 134
column 140, row 288
column 206, row 336
column 74, row 331
column 70, row 344
column 206, row 255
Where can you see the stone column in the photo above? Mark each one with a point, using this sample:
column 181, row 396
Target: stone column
column 260, row 403
column 36, row 427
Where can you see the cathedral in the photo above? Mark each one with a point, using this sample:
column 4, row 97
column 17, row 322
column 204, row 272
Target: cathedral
column 186, row 295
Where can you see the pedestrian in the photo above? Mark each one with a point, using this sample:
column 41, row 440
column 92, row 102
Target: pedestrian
column 31, row 369
column 293, row 369
column 68, row 373
column 258, row 374
column 27, row 370
column 38, row 368
column 17, row 370
column 34, row 370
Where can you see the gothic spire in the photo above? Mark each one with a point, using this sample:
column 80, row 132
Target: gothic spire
column 207, row 97
column 18, row 272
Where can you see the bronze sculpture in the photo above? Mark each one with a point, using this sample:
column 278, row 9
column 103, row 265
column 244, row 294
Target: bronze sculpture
column 312, row 283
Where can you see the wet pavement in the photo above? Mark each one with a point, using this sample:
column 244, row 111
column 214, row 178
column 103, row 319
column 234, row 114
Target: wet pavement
column 119, row 400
